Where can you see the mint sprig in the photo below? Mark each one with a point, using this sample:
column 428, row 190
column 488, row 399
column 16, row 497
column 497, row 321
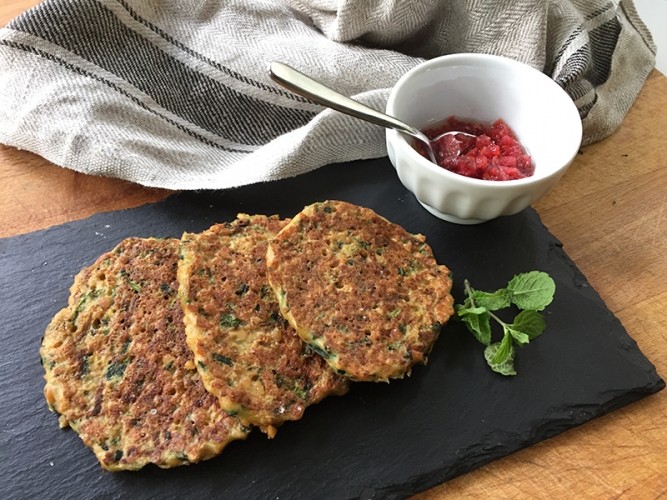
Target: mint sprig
column 530, row 293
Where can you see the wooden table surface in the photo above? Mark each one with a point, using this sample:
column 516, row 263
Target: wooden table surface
column 610, row 212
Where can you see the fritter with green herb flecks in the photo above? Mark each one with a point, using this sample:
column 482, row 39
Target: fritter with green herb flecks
column 119, row 371
column 364, row 293
column 247, row 354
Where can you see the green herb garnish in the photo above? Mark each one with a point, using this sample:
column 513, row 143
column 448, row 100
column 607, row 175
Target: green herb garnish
column 223, row 360
column 530, row 292
column 319, row 350
column 116, row 370
column 229, row 321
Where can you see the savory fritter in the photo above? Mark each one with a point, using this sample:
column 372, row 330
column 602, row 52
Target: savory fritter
column 119, row 371
column 247, row 354
column 365, row 294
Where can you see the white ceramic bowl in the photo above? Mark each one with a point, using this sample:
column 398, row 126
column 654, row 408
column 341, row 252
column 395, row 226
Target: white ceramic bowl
column 482, row 87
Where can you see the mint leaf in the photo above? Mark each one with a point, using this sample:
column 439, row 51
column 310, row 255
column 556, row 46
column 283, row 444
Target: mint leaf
column 505, row 349
column 464, row 310
column 478, row 322
column 531, row 292
column 534, row 290
column 520, row 337
column 500, row 299
column 500, row 356
column 530, row 322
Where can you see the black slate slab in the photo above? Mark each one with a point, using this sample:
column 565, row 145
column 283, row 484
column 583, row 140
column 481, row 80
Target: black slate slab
column 378, row 441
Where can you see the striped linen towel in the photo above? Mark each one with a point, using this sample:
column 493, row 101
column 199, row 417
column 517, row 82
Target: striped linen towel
column 176, row 94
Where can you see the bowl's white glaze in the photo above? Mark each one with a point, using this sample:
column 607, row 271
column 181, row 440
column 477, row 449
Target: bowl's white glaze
column 482, row 87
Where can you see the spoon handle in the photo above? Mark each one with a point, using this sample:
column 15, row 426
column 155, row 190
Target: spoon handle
column 307, row 87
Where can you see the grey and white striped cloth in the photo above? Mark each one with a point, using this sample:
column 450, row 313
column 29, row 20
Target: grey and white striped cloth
column 176, row 94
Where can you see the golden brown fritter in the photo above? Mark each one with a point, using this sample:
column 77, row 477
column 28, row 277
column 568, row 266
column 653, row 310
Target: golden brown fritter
column 365, row 294
column 119, row 371
column 247, row 354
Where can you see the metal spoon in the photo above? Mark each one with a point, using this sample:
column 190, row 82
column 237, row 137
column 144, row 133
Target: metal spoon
column 304, row 85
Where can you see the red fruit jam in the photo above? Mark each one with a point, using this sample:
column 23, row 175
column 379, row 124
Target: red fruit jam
column 494, row 154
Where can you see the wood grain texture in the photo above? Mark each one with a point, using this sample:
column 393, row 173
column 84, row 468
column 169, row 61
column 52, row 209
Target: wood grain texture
column 610, row 212
column 9, row 9
column 37, row 194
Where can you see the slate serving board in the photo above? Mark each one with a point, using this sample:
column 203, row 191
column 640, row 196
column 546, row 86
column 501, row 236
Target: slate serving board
column 379, row 440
